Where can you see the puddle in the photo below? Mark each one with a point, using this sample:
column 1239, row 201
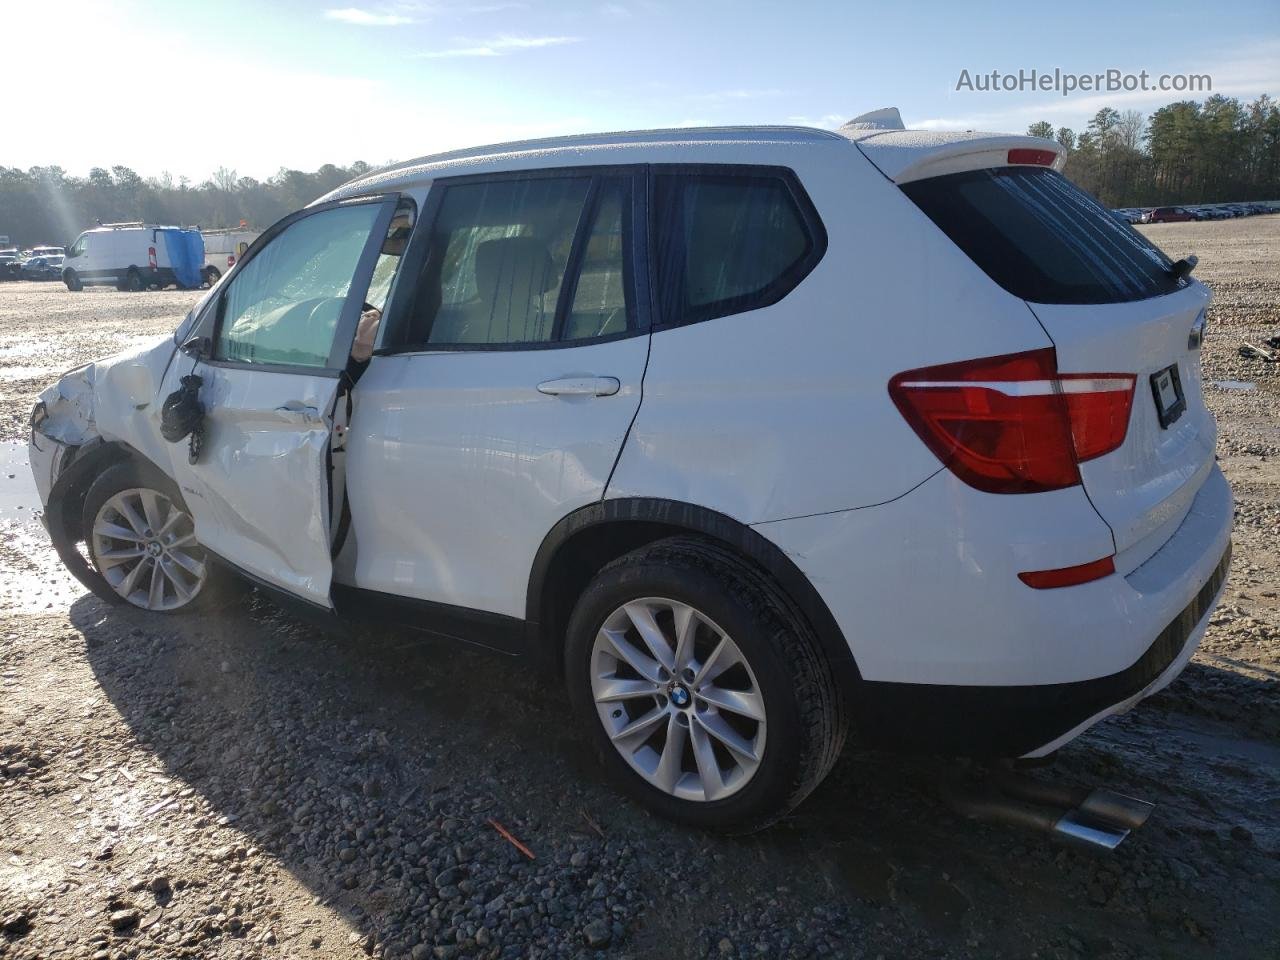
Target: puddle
column 1234, row 384
column 18, row 497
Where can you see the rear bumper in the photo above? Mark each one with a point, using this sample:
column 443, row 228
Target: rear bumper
column 956, row 654
column 1033, row 721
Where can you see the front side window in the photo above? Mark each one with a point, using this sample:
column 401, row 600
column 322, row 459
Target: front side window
column 727, row 243
column 77, row 248
column 283, row 306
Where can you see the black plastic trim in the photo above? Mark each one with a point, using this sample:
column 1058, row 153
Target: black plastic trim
column 493, row 631
column 682, row 518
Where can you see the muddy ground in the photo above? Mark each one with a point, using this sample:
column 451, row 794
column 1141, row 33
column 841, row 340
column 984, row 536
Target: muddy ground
column 244, row 786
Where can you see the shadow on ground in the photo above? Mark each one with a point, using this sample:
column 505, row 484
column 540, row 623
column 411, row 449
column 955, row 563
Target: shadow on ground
column 369, row 765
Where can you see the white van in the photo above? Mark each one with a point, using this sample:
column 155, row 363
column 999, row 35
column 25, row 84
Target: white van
column 222, row 248
column 134, row 256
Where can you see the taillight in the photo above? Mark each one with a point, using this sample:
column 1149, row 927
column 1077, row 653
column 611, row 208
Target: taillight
column 1041, row 158
column 151, row 258
column 1013, row 424
column 231, row 262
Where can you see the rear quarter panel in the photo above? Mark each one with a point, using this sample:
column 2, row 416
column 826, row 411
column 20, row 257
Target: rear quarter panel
column 784, row 411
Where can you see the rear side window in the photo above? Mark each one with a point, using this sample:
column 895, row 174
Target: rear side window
column 1042, row 238
column 730, row 242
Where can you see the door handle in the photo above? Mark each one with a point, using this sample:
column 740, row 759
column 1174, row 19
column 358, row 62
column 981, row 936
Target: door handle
column 300, row 410
column 580, row 387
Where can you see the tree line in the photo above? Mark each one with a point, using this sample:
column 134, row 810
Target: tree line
column 45, row 205
column 1217, row 151
column 1186, row 152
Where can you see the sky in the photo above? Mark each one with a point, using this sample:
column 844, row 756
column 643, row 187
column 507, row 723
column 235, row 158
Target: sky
column 186, row 88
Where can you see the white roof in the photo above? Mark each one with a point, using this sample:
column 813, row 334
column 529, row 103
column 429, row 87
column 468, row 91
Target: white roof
column 902, row 155
column 580, row 149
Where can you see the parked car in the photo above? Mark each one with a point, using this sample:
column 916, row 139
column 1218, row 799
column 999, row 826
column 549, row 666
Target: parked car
column 1129, row 214
column 41, row 268
column 135, row 256
column 9, row 266
column 747, row 434
column 1168, row 215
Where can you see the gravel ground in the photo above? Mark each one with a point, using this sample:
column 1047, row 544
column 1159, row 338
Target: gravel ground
column 244, row 786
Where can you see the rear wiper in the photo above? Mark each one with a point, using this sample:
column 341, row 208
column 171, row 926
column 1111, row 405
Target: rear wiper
column 1182, row 268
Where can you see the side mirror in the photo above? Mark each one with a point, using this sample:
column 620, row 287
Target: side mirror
column 198, row 348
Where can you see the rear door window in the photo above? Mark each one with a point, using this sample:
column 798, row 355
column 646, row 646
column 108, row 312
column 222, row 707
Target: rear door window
column 532, row 261
column 1042, row 238
column 728, row 242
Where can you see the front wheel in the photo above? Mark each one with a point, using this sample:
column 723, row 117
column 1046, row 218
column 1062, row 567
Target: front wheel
column 703, row 688
column 142, row 541
column 211, row 276
column 73, row 281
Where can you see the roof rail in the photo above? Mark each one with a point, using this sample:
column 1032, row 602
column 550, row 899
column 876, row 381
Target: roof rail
column 131, row 223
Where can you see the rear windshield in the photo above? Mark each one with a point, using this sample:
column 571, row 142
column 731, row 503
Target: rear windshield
column 1042, row 238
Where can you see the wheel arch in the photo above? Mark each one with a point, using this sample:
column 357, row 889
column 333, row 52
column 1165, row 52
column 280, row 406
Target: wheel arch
column 584, row 541
column 64, row 511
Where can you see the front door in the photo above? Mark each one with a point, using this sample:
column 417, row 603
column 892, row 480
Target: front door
column 508, row 375
column 279, row 334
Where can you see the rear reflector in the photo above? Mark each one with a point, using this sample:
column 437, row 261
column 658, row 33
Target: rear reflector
column 1041, row 158
column 1069, row 576
column 1013, row 424
column 151, row 258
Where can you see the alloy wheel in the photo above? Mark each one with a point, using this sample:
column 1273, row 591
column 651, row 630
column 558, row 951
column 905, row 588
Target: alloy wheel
column 678, row 699
column 145, row 547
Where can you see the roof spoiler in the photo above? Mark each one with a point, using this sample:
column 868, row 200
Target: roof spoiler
column 904, row 155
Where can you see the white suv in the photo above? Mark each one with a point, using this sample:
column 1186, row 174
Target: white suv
column 750, row 434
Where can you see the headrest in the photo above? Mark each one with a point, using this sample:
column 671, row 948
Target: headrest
column 517, row 263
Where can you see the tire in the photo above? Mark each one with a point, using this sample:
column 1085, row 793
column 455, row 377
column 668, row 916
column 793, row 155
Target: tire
column 132, row 282
column 787, row 715
column 72, row 280
column 135, row 489
column 211, row 276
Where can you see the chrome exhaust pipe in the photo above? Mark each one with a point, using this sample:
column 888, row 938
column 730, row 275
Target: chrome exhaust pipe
column 1094, row 805
column 1068, row 825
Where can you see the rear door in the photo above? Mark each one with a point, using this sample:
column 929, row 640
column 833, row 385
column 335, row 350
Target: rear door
column 1111, row 302
column 508, row 376
column 279, row 337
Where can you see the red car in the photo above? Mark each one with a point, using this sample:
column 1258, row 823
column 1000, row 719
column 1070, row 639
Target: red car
column 1168, row 215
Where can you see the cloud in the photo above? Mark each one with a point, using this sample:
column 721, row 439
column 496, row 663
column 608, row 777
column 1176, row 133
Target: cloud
column 366, row 18
column 498, row 47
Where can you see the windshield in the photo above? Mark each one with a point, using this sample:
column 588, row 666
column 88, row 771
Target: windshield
column 1042, row 238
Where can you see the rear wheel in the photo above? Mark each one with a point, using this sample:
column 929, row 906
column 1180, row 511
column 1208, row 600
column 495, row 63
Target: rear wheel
column 704, row 690
column 142, row 541
column 211, row 276
column 132, row 281
column 73, row 281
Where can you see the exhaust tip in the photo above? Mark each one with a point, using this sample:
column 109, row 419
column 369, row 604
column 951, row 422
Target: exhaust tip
column 1116, row 808
column 1088, row 835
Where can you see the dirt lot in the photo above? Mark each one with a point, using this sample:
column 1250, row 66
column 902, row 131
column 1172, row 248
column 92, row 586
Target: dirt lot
column 247, row 787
